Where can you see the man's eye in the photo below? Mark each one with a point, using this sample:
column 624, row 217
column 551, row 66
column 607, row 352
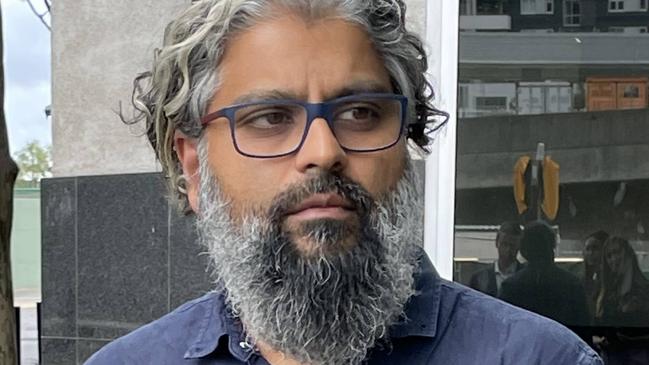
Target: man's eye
column 266, row 119
column 359, row 114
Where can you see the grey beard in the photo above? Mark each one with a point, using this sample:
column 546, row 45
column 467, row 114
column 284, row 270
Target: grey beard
column 329, row 307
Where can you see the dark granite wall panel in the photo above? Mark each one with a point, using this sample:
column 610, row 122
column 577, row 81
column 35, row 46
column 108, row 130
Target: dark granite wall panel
column 58, row 351
column 58, row 214
column 122, row 250
column 86, row 348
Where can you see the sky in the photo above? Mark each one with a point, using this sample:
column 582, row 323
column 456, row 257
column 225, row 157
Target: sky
column 27, row 74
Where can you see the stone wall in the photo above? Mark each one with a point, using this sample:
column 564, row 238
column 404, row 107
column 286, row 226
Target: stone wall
column 589, row 147
column 115, row 256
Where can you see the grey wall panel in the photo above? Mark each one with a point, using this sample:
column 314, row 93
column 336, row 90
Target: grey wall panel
column 58, row 351
column 122, row 254
column 58, row 207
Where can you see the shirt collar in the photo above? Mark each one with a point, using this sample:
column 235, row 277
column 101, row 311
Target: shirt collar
column 422, row 310
column 511, row 270
column 211, row 328
column 216, row 324
column 421, row 314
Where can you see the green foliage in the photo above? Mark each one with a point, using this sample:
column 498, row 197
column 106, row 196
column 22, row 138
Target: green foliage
column 35, row 163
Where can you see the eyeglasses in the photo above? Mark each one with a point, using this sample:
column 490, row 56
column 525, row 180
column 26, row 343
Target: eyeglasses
column 276, row 128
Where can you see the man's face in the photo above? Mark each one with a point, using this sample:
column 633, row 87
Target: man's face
column 314, row 62
column 508, row 245
column 281, row 265
column 593, row 251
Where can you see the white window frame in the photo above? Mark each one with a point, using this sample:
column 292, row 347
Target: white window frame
column 535, row 12
column 442, row 24
column 625, row 6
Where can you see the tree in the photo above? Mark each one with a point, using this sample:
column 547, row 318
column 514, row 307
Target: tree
column 8, row 173
column 35, row 163
column 42, row 15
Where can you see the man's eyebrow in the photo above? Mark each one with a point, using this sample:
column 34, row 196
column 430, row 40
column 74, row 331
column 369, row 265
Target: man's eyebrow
column 354, row 88
column 265, row 95
column 361, row 87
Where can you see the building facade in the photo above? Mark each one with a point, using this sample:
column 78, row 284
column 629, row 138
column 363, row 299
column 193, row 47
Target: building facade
column 572, row 75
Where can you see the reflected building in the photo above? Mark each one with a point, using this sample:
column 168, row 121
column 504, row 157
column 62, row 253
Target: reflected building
column 573, row 75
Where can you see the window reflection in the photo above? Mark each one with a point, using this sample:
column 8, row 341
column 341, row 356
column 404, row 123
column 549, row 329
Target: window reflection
column 572, row 75
column 623, row 298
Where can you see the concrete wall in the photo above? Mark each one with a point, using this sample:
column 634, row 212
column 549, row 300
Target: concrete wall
column 97, row 49
column 590, row 147
column 493, row 48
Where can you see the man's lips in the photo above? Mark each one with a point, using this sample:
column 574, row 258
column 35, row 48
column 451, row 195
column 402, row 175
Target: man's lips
column 322, row 206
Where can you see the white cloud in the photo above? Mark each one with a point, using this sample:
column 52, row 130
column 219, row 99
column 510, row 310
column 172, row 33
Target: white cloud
column 27, row 74
column 25, row 115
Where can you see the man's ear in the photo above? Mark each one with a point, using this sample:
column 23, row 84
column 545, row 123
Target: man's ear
column 187, row 151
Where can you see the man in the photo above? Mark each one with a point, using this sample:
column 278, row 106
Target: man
column 592, row 276
column 541, row 286
column 490, row 279
column 283, row 124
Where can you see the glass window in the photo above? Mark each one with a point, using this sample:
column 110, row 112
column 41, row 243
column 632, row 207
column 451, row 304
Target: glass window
column 551, row 181
column 482, row 99
column 571, row 13
column 490, row 7
column 547, row 97
column 529, row 7
column 627, row 5
column 627, row 29
column 466, row 7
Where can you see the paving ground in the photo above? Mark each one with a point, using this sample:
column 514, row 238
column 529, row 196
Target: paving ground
column 26, row 300
column 28, row 336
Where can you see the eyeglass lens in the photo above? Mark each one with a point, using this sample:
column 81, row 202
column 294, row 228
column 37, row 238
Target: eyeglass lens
column 278, row 128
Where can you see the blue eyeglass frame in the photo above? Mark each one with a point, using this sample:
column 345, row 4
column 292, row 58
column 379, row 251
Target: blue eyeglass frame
column 322, row 110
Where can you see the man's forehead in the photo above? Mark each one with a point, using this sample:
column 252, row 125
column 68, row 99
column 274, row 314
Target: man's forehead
column 284, row 59
column 353, row 88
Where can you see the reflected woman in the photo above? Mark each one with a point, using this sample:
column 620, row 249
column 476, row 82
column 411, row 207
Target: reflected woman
column 623, row 301
column 624, row 296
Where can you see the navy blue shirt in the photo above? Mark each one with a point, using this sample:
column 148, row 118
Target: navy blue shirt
column 447, row 324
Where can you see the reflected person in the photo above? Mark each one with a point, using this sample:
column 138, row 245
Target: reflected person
column 624, row 296
column 623, row 305
column 490, row 279
column 593, row 245
column 541, row 286
column 284, row 126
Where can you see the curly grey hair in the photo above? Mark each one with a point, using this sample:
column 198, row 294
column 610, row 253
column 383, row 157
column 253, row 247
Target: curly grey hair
column 175, row 93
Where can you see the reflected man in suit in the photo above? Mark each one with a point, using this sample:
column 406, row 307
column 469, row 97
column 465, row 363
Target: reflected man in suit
column 508, row 241
column 541, row 286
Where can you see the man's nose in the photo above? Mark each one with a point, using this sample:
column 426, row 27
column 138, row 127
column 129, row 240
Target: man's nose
column 321, row 149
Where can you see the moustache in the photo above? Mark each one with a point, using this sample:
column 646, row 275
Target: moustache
column 358, row 198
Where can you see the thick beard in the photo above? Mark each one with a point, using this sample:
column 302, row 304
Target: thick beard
column 332, row 305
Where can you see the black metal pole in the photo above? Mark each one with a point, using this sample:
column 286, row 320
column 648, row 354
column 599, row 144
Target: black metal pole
column 38, row 328
column 17, row 311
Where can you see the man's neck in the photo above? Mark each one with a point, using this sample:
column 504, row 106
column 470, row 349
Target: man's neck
column 275, row 357
column 504, row 264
